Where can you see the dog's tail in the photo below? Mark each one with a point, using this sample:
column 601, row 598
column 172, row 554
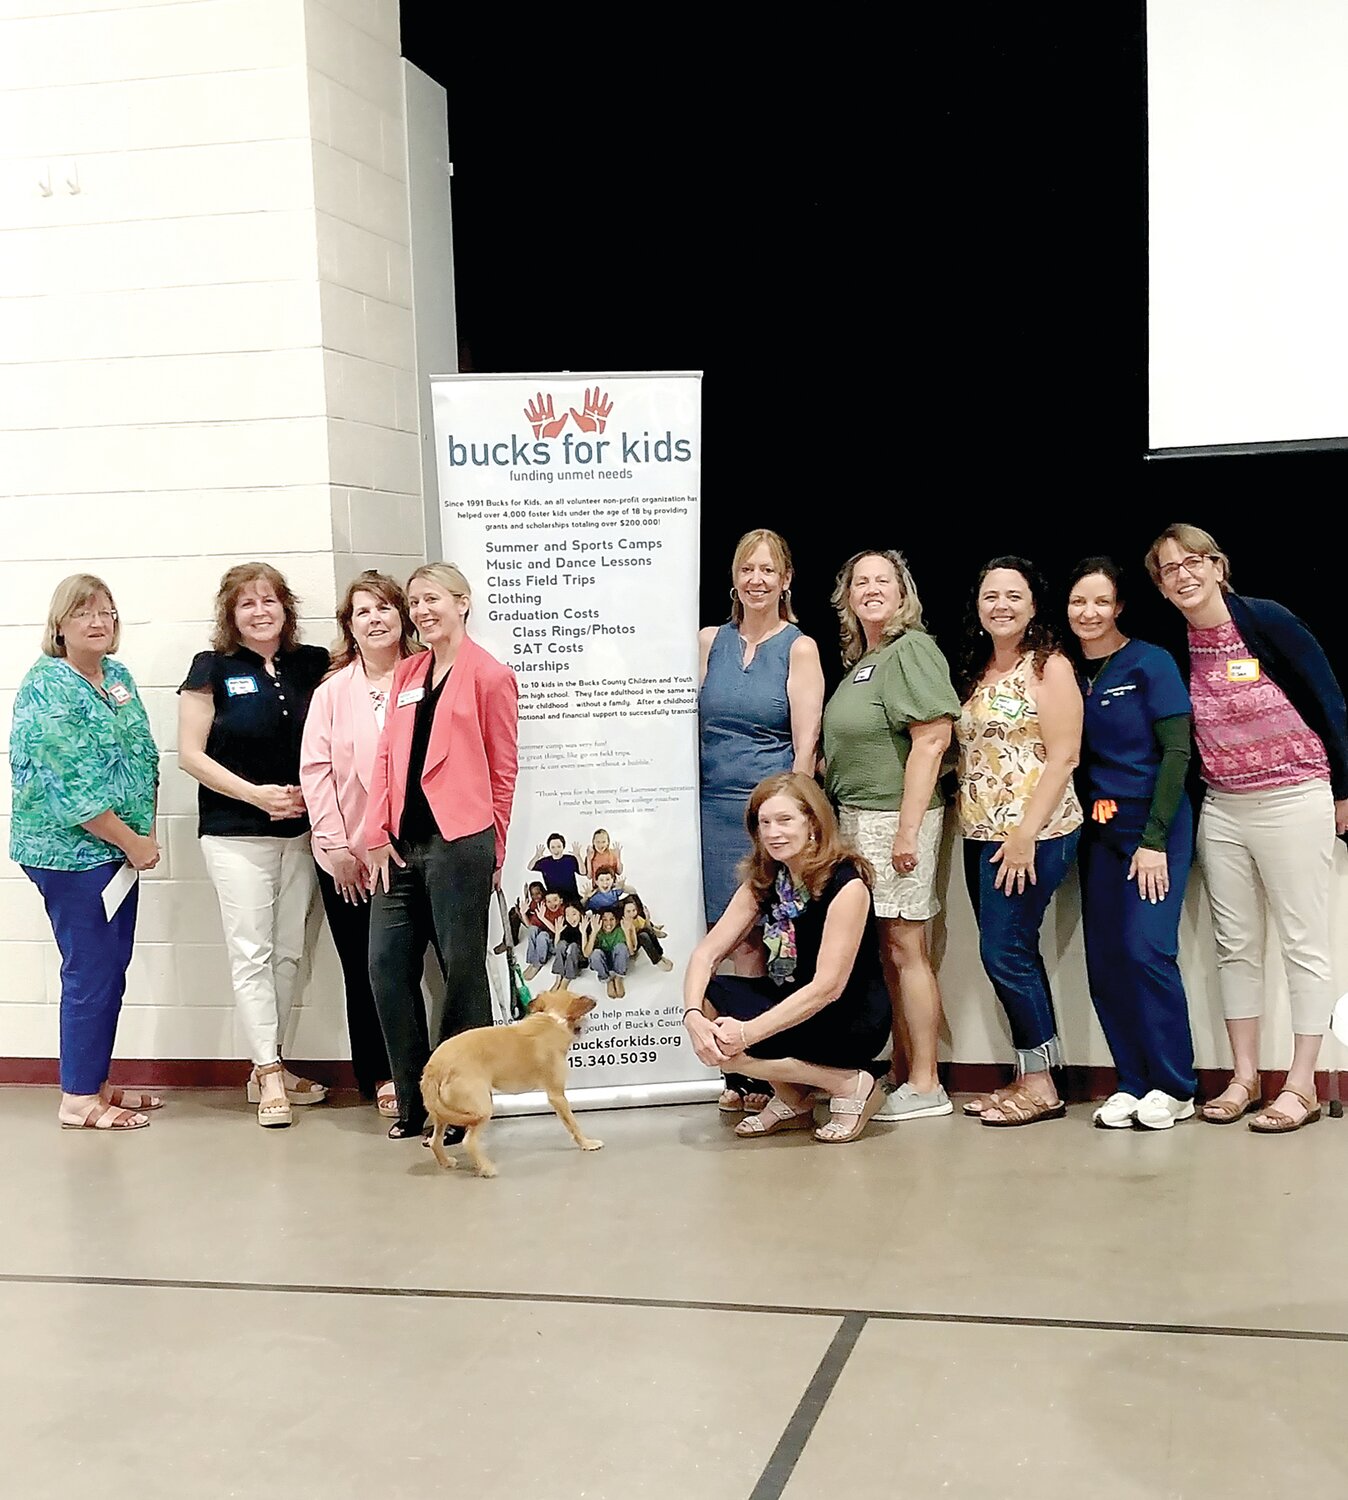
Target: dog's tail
column 440, row 1106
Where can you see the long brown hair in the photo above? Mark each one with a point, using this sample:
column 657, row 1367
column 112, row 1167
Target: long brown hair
column 388, row 591
column 225, row 637
column 907, row 616
column 827, row 850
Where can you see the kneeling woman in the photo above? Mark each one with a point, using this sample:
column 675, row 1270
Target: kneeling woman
column 818, row 1019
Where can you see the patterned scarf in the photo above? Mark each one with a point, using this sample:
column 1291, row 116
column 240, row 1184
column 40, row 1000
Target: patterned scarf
column 779, row 931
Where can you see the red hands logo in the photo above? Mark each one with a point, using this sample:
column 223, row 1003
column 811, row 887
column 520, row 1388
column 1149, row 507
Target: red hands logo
column 542, row 418
column 597, row 408
column 542, row 414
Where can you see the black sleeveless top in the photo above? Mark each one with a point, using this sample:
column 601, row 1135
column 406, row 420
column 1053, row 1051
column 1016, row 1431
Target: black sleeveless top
column 866, row 983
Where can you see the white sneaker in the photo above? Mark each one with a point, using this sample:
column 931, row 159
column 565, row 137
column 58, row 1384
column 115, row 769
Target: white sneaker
column 1117, row 1112
column 905, row 1103
column 1158, row 1111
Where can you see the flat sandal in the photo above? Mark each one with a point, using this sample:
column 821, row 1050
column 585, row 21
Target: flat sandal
column 1284, row 1124
column 1022, row 1107
column 1226, row 1111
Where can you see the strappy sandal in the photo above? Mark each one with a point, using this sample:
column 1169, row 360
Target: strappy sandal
column 776, row 1115
column 386, row 1099
column 270, row 1112
column 1272, row 1121
column 739, row 1101
column 1227, row 1111
column 130, row 1099
column 101, row 1116
column 980, row 1102
column 849, row 1115
column 300, row 1091
column 1019, row 1106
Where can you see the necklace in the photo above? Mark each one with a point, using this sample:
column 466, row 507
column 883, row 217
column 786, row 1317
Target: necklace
column 1093, row 677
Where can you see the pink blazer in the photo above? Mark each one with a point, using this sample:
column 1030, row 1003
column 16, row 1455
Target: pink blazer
column 337, row 755
column 472, row 758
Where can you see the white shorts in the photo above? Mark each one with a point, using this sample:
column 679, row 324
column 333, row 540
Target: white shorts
column 912, row 897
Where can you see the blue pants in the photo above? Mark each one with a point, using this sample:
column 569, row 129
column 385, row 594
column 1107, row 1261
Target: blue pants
column 1008, row 943
column 608, row 964
column 1132, row 955
column 567, row 962
column 94, row 958
column 540, row 946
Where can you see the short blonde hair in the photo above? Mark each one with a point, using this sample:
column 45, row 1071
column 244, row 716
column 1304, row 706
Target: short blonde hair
column 449, row 578
column 908, row 615
column 781, row 557
column 71, row 594
column 225, row 638
column 1193, row 539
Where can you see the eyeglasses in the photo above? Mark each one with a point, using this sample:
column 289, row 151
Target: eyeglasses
column 85, row 615
column 1192, row 565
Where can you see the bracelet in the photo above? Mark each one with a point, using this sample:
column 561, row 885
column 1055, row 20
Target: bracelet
column 694, row 1010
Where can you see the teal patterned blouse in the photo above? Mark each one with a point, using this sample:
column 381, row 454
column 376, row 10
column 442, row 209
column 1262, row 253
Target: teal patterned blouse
column 74, row 753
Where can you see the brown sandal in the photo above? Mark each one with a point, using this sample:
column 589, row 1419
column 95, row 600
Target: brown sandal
column 130, row 1099
column 1279, row 1123
column 1019, row 1106
column 1227, row 1111
column 101, row 1116
column 980, row 1102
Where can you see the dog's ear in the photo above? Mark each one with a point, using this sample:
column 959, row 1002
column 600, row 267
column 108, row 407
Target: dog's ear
column 578, row 1006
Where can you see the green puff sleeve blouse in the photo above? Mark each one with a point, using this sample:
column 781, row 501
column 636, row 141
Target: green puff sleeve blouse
column 75, row 753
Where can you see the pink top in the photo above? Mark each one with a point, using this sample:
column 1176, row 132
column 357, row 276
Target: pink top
column 1250, row 738
column 341, row 734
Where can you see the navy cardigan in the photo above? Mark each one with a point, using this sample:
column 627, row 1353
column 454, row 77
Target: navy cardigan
column 1290, row 656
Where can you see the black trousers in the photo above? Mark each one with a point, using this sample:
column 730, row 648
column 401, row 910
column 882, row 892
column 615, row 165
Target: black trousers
column 350, row 928
column 440, row 898
column 650, row 945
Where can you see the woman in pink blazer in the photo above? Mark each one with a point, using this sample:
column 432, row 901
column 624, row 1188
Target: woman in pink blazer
column 337, row 759
column 439, row 808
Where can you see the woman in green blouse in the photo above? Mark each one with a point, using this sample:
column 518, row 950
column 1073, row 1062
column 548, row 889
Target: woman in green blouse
column 86, row 776
column 887, row 731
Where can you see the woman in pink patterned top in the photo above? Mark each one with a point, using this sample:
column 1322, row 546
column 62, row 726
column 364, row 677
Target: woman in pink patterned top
column 1272, row 734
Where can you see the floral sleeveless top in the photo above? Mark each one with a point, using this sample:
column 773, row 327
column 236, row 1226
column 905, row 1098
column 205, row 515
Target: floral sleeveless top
column 1002, row 756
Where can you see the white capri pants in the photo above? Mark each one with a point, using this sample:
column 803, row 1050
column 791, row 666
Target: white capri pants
column 1275, row 846
column 264, row 886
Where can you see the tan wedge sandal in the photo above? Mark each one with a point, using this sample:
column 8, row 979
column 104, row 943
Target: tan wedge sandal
column 271, row 1112
column 1227, row 1111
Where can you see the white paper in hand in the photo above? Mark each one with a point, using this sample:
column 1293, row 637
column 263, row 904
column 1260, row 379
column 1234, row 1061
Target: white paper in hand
column 118, row 889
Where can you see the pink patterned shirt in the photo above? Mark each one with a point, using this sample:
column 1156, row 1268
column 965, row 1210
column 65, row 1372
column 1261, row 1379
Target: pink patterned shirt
column 1249, row 737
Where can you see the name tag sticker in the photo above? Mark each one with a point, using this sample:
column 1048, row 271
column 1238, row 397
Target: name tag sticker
column 864, row 674
column 119, row 693
column 1242, row 669
column 240, row 687
column 1116, row 692
column 1013, row 708
column 411, row 695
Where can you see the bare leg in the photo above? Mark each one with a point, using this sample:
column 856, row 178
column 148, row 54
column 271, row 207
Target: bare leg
column 1300, row 1076
column 915, row 997
column 790, row 1070
column 1244, row 1038
column 559, row 1103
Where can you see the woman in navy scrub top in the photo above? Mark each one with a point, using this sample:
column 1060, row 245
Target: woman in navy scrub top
column 1135, row 853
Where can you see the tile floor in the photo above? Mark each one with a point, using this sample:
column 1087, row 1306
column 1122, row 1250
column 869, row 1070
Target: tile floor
column 206, row 1310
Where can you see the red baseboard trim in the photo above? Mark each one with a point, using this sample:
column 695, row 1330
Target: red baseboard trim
column 1078, row 1084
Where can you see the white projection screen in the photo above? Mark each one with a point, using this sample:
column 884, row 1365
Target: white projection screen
column 1248, row 206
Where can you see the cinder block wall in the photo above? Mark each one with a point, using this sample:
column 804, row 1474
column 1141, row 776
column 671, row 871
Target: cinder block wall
column 206, row 355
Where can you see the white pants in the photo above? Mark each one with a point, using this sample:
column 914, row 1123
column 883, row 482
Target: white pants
column 1275, row 847
column 264, row 887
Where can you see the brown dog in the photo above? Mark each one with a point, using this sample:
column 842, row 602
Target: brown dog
column 527, row 1055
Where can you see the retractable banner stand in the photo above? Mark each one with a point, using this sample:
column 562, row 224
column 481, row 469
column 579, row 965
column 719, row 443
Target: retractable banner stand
column 571, row 503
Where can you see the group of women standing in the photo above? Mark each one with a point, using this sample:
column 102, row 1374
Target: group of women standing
column 1061, row 754
column 394, row 763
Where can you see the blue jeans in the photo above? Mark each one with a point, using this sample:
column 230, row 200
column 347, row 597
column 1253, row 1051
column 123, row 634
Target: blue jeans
column 540, row 946
column 95, row 953
column 567, row 962
column 1008, row 943
column 606, row 965
column 1132, row 954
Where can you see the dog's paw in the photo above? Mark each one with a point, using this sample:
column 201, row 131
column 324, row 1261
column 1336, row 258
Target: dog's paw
column 486, row 1171
column 589, row 1145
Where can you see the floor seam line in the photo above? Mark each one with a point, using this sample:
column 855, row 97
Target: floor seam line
column 680, row 1304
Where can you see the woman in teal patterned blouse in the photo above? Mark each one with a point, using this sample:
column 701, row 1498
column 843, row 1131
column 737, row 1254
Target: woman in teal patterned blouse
column 86, row 776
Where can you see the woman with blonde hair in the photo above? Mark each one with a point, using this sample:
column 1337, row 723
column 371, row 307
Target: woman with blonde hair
column 887, row 731
column 816, row 1020
column 435, row 829
column 86, row 779
column 759, row 704
column 1272, row 735
column 241, row 713
column 341, row 735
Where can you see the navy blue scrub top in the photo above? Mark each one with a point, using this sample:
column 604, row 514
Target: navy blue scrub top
column 1119, row 753
column 256, row 732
